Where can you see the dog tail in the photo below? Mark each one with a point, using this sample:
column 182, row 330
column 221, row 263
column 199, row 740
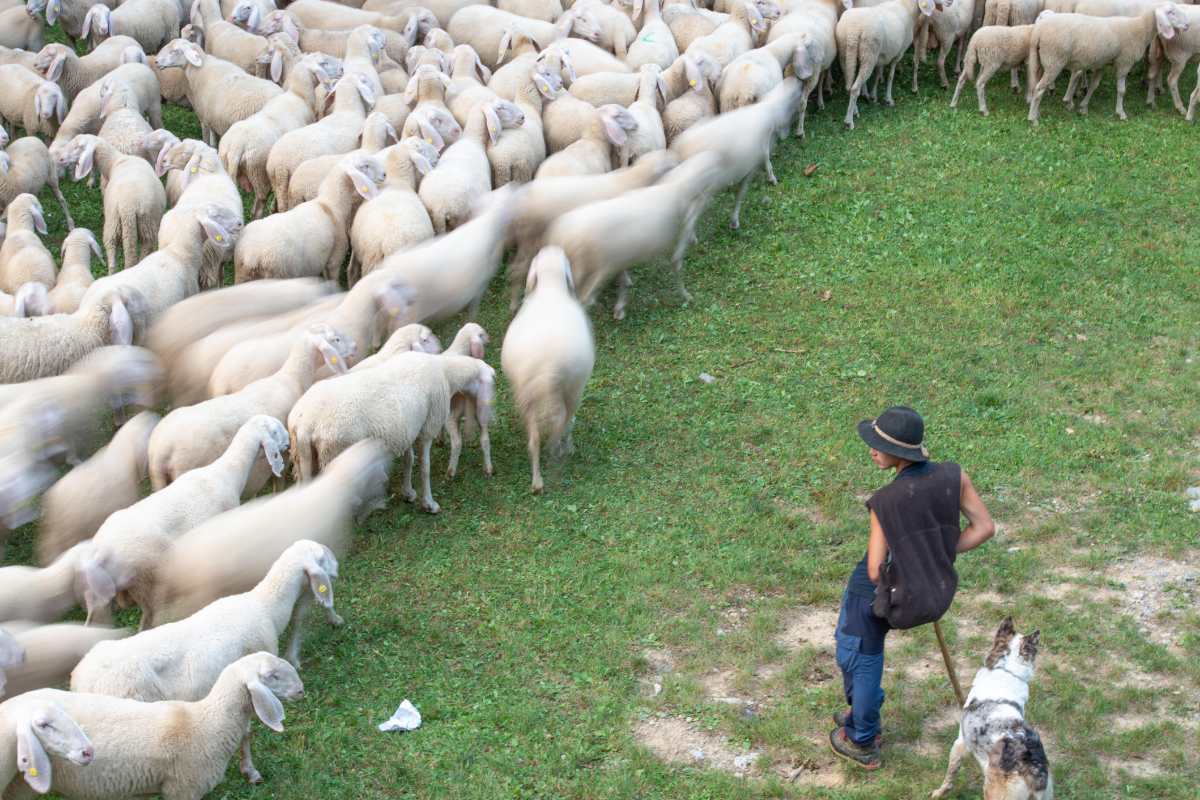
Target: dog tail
column 1021, row 755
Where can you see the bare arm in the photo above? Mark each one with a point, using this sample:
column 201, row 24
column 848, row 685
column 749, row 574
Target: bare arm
column 981, row 527
column 876, row 549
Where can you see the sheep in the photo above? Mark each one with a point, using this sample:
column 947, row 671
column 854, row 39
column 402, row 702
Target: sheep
column 950, row 24
column 445, row 128
column 31, row 728
column 31, row 300
column 700, row 102
column 311, row 238
column 134, row 198
column 23, row 257
column 152, row 23
column 544, row 10
column 124, row 126
column 84, row 114
column 655, row 43
column 43, row 595
column 441, row 10
column 417, row 386
column 463, row 173
column 1085, row 43
column 548, row 198
column 173, row 748
column 154, row 144
column 594, row 152
column 221, row 93
column 426, row 88
column 128, row 547
column 305, row 183
column 688, row 23
column 9, row 55
column 172, row 273
column 278, row 56
column 752, row 75
column 876, row 36
column 334, row 16
column 21, row 30
column 364, row 315
column 173, row 83
column 815, row 21
column 338, row 132
column 509, row 80
column 648, row 134
column 565, row 120
column 68, row 15
column 232, row 552
column 468, row 83
column 471, row 340
column 175, row 448
column 164, row 664
column 224, row 39
column 602, row 88
column 35, row 104
column 614, row 30
column 395, row 219
column 993, row 48
column 413, row 336
column 488, row 30
column 329, row 42
column 75, row 507
column 52, row 651
column 74, row 73
column 547, row 357
column 1179, row 50
column 75, row 275
column 732, row 38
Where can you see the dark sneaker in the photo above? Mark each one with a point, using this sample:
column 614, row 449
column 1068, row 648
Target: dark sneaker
column 865, row 757
column 842, row 719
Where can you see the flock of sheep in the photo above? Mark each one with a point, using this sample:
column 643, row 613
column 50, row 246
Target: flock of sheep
column 415, row 146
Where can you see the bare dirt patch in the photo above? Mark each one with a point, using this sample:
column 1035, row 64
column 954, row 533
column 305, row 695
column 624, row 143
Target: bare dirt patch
column 1133, row 767
column 808, row 627
column 678, row 741
column 934, row 730
column 818, row 771
column 1157, row 590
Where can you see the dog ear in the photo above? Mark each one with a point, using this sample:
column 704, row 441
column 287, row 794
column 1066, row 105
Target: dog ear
column 1029, row 645
column 999, row 649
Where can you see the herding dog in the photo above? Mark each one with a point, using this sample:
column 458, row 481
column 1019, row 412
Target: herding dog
column 993, row 724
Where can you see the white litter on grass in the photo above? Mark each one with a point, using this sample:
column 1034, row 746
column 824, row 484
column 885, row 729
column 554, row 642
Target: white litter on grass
column 1194, row 493
column 406, row 718
column 706, row 378
column 742, row 763
column 697, row 754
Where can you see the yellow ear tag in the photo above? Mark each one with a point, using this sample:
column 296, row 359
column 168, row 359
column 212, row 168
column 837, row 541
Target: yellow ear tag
column 220, row 238
column 429, row 141
column 322, row 589
column 692, row 84
column 196, row 169
column 332, row 360
column 33, row 772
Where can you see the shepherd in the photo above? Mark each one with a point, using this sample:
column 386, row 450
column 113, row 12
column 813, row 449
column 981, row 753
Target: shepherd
column 907, row 576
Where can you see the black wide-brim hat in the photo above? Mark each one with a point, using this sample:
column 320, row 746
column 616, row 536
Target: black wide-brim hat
column 898, row 432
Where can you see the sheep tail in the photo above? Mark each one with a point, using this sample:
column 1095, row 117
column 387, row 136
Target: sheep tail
column 849, row 55
column 541, row 404
column 970, row 59
column 1032, row 60
column 160, row 474
column 279, row 184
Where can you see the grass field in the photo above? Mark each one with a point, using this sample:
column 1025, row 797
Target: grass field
column 1032, row 292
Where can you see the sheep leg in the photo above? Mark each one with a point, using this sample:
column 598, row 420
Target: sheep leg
column 62, row 201
column 767, row 164
column 891, row 79
column 737, row 204
column 943, row 54
column 427, row 501
column 985, row 75
column 624, row 281
column 677, row 265
column 534, row 446
column 1049, row 75
column 1069, row 96
column 129, row 240
column 1173, row 82
column 110, row 242
column 1014, row 82
column 878, row 78
column 1195, row 96
column 1093, row 85
column 406, row 489
column 485, row 446
column 455, row 445
column 1120, row 94
column 820, row 86
column 958, row 87
column 247, row 763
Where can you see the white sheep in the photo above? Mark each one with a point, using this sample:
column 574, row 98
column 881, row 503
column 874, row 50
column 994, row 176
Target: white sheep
column 26, row 168
column 74, row 73
column 544, row 10
column 1082, row 43
column 547, row 357
column 510, row 79
column 655, row 44
column 747, row 21
column 31, row 300
column 602, row 88
column 164, row 663
column 337, row 413
column 471, row 340
column 463, row 173
column 224, row 39
column 689, row 23
column 84, row 114
column 699, row 102
column 395, row 219
column 128, row 547
column 75, row 507
column 124, row 126
column 75, row 273
column 134, row 198
column 596, row 149
column 615, row 31
column 442, row 10
column 603, row 240
column 331, row 42
column 743, row 138
column 232, row 552
column 173, row 748
column 950, row 23
column 338, row 132
column 648, row 134
column 485, row 28
column 751, row 76
column 311, row 238
column 23, row 256
column 21, row 29
column 29, row 101
column 413, row 336
column 305, row 183
column 877, row 36
column 152, row 23
column 516, row 156
column 335, row 16
column 44, row 594
column 468, row 83
column 51, row 652
column 32, row 728
column 193, row 436
column 816, row 21
column 993, row 48
column 1178, row 50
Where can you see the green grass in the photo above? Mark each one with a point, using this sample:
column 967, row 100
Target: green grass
column 1004, row 280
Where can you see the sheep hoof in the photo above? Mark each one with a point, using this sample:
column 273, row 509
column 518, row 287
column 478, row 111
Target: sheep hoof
column 536, row 488
column 252, row 775
column 431, row 506
column 489, row 471
column 450, row 473
column 618, row 315
column 410, row 495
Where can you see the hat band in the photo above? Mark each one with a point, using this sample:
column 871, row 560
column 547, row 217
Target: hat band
column 897, row 442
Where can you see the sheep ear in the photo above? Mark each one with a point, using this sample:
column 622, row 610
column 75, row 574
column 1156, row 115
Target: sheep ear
column 99, row 588
column 53, row 9
column 266, row 705
column 39, row 221
column 802, row 64
column 411, row 29
column 637, row 8
column 568, row 65
column 664, row 91
column 192, row 54
column 485, row 74
column 530, row 281
column 54, row 71
column 32, row 759
column 1165, row 29
column 430, row 134
column 5, row 162
column 477, row 346
column 330, row 355
column 60, row 105
column 274, row 454
column 276, row 66
column 120, row 324
column 544, row 87
column 694, row 75
column 493, row 122
column 191, row 169
column 215, row 230
column 757, row 23
column 505, row 43
column 419, row 161
column 253, row 19
column 485, row 393
column 362, row 184
column 86, row 28
column 321, row 585
column 613, row 129
column 92, row 243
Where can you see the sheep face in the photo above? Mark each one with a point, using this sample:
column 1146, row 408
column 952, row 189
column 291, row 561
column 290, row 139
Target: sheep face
column 180, row 53
column 35, row 7
column 268, row 678
column 44, row 729
column 50, row 102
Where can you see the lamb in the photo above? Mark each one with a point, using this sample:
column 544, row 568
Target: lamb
column 75, row 275
column 950, row 24
column 232, row 552
column 647, row 134
column 730, row 39
column 403, row 402
column 544, row 10
column 23, row 257
column 471, row 340
column 442, row 11
column 743, row 138
column 547, row 357
column 331, row 42
column 752, row 75
column 1084, row 43
column 565, row 119
column 28, row 101
column 655, row 43
column 164, row 664
column 30, row 728
column 51, row 652
column 84, row 114
column 124, row 126
column 134, row 198
column 426, row 88
column 463, row 173
column 653, row 221
column 311, row 238
column 278, row 56
column 415, row 337
column 43, row 595
column 816, row 21
column 486, row 29
column 224, row 39
column 9, row 55
column 334, row 16
column 614, row 30
column 20, row 29
column 152, row 23
column 74, row 73
column 876, row 36
column 377, row 133
column 468, row 83
column 595, row 151
column 75, row 507
column 177, row 446
column 546, row 199
column 220, row 92
column 128, row 547
column 700, row 102
column 338, row 132
column 180, row 749
column 688, row 23
column 1179, row 50
column 31, row 300
column 395, row 219
column 602, row 88
column 993, row 48
column 509, row 80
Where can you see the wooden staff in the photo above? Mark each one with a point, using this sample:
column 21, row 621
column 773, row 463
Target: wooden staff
column 946, row 657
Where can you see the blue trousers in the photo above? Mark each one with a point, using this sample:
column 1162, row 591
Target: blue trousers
column 860, row 636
